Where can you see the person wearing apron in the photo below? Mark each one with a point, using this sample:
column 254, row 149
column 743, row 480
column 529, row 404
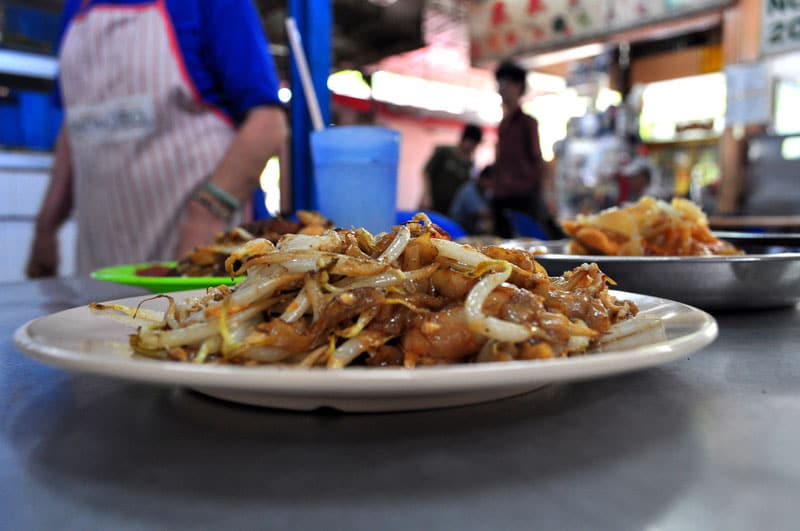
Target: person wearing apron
column 150, row 157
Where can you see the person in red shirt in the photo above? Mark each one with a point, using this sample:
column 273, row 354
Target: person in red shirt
column 520, row 171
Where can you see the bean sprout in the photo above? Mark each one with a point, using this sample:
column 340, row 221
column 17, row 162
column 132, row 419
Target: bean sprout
column 407, row 298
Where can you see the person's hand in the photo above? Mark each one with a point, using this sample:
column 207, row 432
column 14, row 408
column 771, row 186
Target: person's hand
column 43, row 258
column 199, row 227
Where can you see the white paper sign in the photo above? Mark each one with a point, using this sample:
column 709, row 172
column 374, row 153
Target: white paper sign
column 748, row 94
column 780, row 26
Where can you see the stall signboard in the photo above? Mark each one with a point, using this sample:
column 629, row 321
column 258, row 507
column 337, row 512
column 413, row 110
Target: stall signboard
column 504, row 28
column 780, row 26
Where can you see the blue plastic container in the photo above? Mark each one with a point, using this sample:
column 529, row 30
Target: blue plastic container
column 355, row 175
column 10, row 123
column 35, row 111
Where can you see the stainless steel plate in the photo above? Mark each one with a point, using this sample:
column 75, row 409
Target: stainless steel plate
column 763, row 279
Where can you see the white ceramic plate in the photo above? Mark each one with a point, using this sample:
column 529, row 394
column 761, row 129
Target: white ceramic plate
column 81, row 340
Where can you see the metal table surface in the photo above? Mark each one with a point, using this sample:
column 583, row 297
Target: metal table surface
column 707, row 442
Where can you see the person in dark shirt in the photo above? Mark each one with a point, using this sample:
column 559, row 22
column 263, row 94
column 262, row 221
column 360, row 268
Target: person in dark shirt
column 520, row 172
column 448, row 169
column 471, row 208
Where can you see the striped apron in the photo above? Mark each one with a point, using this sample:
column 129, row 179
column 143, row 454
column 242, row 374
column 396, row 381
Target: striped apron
column 140, row 135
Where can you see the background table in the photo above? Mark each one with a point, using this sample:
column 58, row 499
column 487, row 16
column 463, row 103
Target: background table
column 707, row 442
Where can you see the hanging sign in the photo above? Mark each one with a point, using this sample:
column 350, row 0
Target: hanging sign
column 503, row 28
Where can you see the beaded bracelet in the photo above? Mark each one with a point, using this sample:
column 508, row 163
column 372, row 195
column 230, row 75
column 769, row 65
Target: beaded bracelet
column 217, row 209
column 221, row 195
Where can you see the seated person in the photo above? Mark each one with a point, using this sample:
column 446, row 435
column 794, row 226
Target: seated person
column 471, row 207
column 448, row 168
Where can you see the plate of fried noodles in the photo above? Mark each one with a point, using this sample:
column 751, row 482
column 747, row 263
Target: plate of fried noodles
column 668, row 250
column 401, row 320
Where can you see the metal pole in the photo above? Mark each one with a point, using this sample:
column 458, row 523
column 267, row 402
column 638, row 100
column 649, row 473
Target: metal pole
column 315, row 22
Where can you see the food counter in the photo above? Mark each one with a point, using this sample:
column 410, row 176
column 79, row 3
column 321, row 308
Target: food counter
column 705, row 442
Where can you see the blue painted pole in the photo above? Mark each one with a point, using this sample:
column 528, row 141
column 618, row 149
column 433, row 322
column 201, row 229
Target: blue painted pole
column 314, row 21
